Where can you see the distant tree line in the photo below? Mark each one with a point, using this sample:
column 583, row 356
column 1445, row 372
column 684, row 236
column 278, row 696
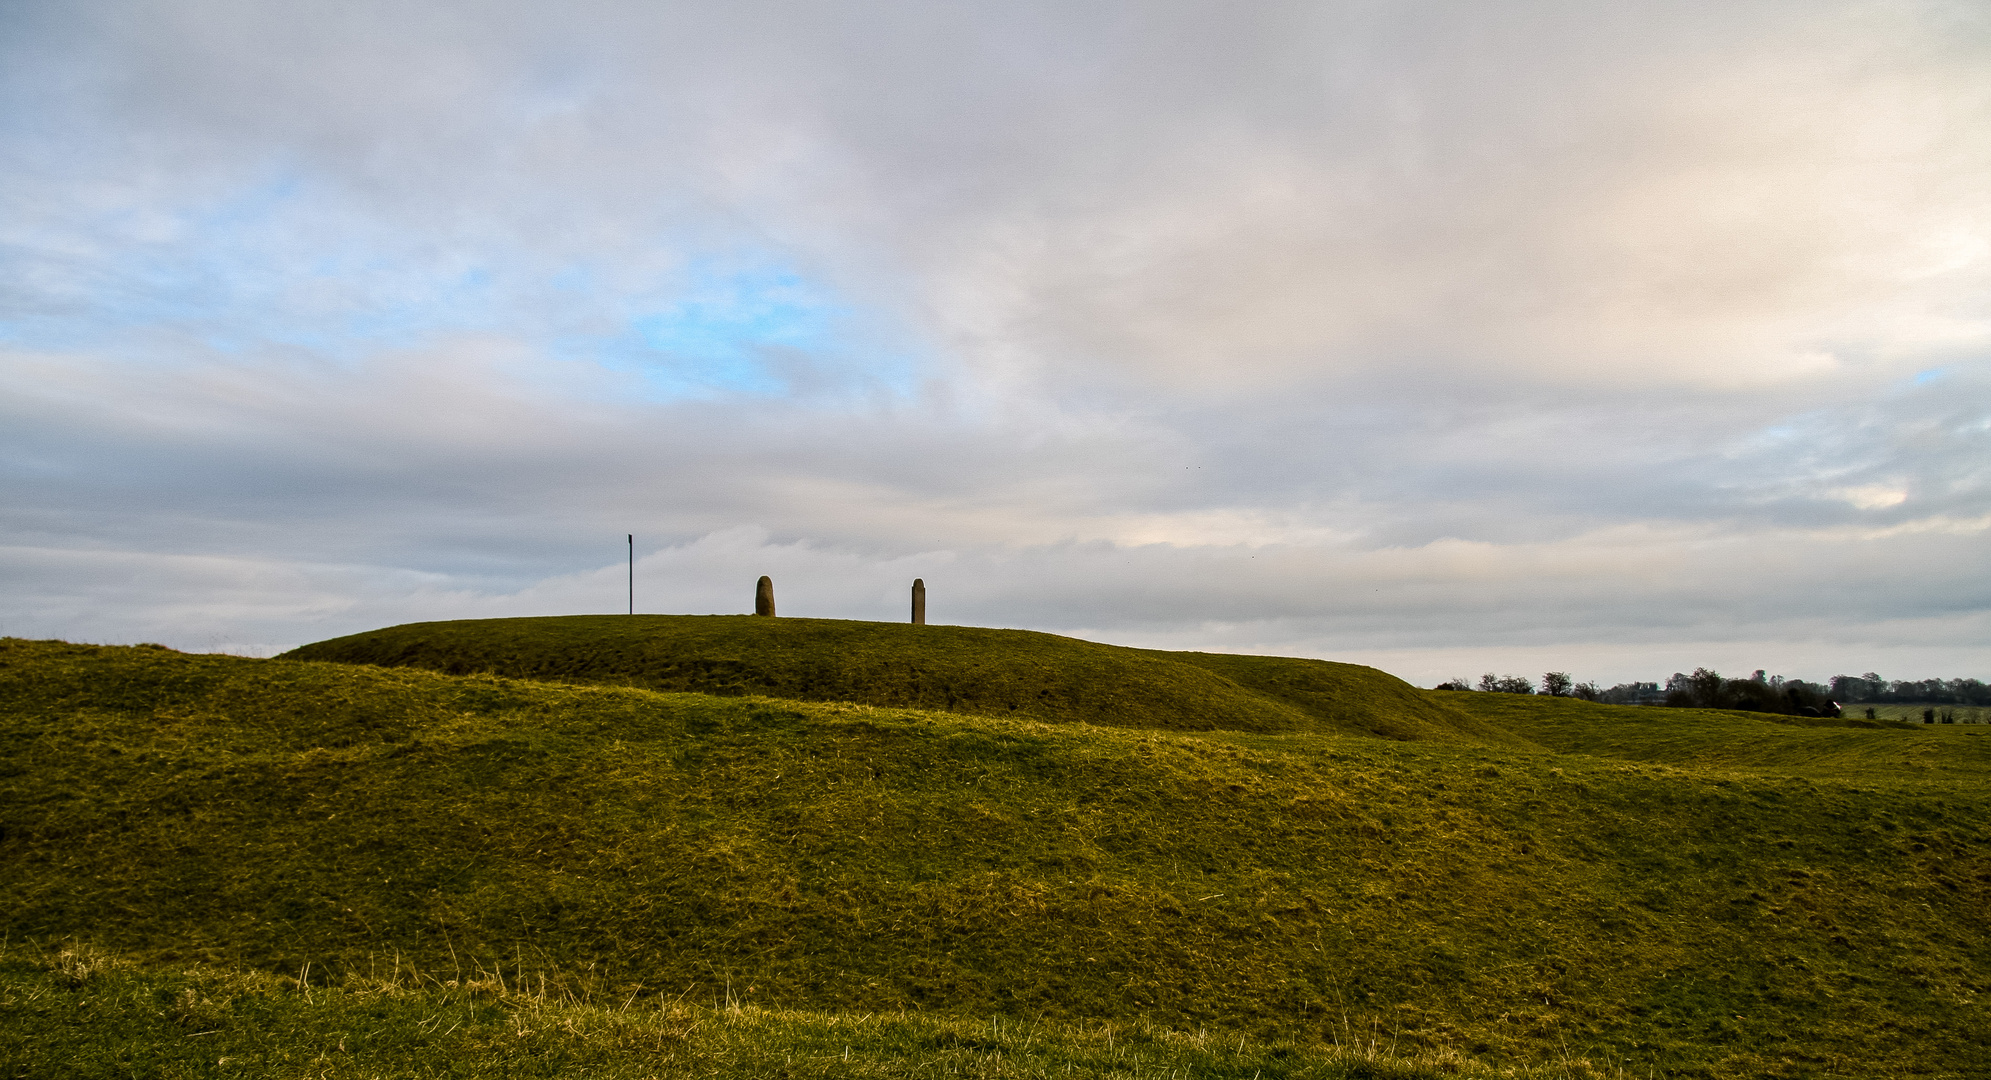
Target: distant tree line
column 1554, row 684
column 1871, row 689
column 1705, row 688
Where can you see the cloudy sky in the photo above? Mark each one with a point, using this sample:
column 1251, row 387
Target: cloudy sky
column 1448, row 337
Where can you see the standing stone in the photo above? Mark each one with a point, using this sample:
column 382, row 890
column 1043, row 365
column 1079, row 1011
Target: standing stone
column 764, row 596
column 919, row 602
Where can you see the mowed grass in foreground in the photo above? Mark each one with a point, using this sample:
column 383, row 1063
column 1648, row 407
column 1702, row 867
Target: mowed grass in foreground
column 79, row 1014
column 1618, row 899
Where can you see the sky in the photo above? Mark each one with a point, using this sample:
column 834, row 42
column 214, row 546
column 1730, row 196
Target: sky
column 1615, row 339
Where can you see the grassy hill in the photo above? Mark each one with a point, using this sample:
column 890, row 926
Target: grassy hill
column 1500, row 882
column 961, row 669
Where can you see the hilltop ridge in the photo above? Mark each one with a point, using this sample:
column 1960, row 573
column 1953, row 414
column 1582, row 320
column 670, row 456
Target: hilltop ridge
column 959, row 669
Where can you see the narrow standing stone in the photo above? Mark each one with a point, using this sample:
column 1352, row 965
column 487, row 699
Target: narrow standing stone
column 919, row 602
column 764, row 596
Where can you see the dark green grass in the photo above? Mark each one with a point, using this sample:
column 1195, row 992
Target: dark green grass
column 1514, row 906
column 962, row 669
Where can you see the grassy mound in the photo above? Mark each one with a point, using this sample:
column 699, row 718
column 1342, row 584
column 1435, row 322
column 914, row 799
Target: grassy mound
column 960, row 669
column 1510, row 905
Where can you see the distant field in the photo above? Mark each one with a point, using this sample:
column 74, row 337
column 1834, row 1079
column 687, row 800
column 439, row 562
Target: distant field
column 1963, row 714
column 1755, row 743
column 1359, row 879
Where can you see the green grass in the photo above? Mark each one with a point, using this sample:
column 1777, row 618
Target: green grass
column 203, row 1022
column 1536, row 883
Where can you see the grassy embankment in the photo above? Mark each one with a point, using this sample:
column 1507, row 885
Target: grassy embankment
column 1507, row 882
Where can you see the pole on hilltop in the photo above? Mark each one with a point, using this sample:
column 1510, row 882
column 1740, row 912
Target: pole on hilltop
column 632, row 573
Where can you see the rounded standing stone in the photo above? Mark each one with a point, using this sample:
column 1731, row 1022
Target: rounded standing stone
column 919, row 602
column 764, row 596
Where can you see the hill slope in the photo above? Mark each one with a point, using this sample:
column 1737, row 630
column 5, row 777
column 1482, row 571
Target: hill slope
column 963, row 669
column 1514, row 905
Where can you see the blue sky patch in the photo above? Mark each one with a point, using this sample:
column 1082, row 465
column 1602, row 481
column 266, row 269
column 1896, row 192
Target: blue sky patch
column 729, row 324
column 276, row 263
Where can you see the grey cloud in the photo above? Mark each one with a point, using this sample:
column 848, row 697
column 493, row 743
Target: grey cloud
column 1348, row 328
column 1130, row 531
column 1639, row 593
